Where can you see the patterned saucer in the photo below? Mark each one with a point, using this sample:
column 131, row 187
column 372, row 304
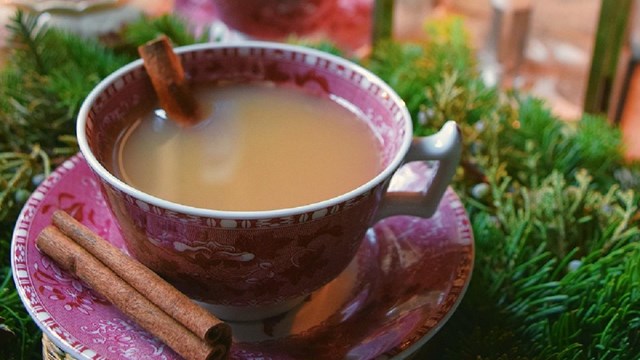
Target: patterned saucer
column 407, row 278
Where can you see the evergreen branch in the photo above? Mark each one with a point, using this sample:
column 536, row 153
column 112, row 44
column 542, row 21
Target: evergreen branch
column 12, row 311
column 147, row 29
column 20, row 168
column 27, row 36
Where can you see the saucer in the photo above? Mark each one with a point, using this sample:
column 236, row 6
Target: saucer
column 408, row 277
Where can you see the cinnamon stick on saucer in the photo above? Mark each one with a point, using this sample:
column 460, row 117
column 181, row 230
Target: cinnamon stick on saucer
column 149, row 284
column 76, row 260
column 168, row 79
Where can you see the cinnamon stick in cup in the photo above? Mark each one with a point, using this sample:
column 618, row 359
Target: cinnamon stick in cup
column 169, row 82
column 149, row 284
column 73, row 258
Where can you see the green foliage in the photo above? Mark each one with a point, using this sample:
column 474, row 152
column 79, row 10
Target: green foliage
column 325, row 46
column 144, row 30
column 435, row 90
column 23, row 334
column 41, row 93
column 557, row 238
column 553, row 205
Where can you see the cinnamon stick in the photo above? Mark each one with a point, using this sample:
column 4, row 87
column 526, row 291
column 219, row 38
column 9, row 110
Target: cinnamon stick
column 76, row 260
column 201, row 322
column 168, row 79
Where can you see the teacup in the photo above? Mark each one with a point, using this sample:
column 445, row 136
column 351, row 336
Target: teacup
column 253, row 264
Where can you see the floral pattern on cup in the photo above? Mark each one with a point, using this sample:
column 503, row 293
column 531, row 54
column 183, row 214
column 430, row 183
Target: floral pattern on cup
column 250, row 259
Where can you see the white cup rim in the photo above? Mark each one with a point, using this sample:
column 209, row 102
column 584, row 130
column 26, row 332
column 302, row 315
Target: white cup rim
column 112, row 180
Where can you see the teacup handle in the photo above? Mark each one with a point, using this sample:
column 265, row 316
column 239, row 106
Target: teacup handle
column 444, row 146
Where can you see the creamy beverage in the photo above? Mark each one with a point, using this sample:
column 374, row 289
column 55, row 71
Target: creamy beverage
column 263, row 147
column 308, row 135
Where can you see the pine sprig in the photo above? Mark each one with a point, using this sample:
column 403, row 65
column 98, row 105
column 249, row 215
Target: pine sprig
column 26, row 39
column 84, row 64
column 603, row 300
column 17, row 319
column 431, row 87
column 145, row 30
column 40, row 98
column 16, row 172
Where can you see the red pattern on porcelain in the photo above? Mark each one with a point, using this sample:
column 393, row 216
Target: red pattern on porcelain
column 405, row 281
column 294, row 259
column 250, row 260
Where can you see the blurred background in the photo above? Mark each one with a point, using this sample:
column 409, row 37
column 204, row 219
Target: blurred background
column 579, row 55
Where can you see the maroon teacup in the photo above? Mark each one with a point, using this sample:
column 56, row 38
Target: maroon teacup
column 253, row 264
